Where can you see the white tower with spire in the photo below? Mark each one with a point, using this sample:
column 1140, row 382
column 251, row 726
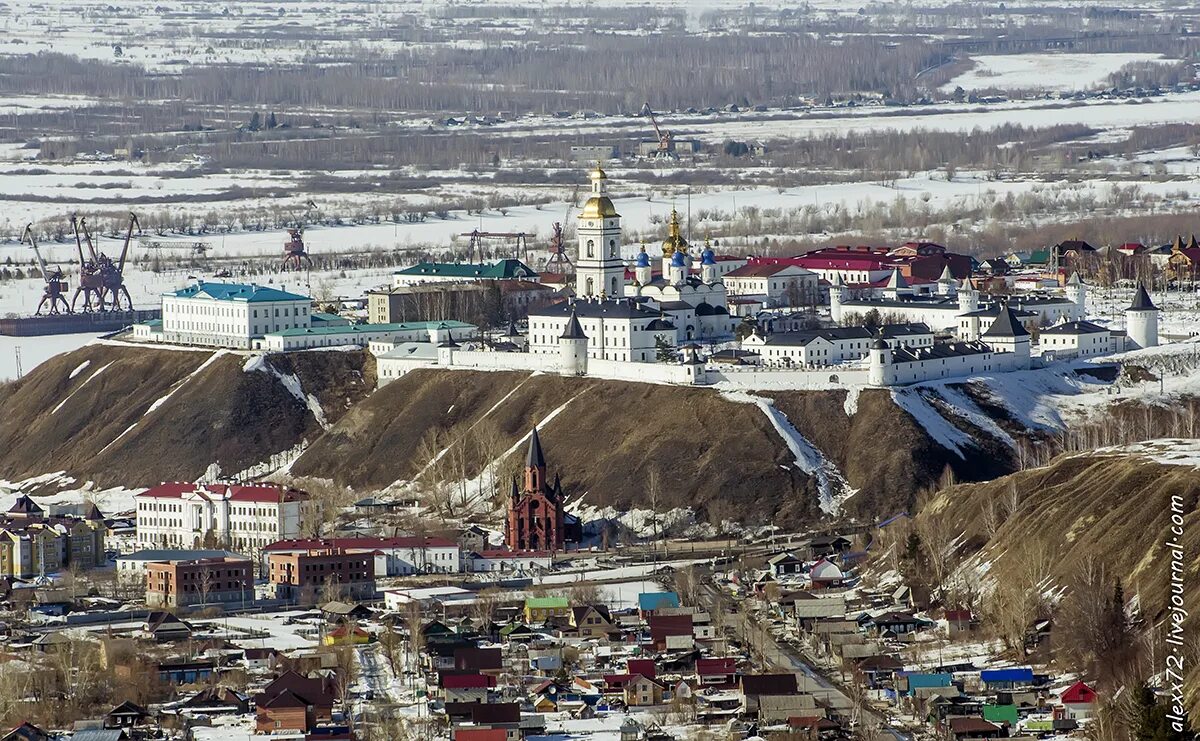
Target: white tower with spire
column 945, row 282
column 837, row 294
column 1141, row 320
column 968, row 297
column 599, row 270
column 1076, row 292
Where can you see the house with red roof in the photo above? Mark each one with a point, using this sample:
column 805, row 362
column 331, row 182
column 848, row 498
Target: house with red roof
column 1077, row 702
column 714, row 672
column 466, row 686
column 237, row 516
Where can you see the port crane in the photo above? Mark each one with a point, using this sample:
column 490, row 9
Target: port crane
column 56, row 283
column 666, row 140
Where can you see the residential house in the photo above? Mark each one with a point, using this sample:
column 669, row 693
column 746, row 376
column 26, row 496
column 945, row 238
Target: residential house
column 826, row 574
column 648, row 602
column 217, row 701
column 753, row 687
column 643, row 691
column 592, row 621
column 466, row 687
column 828, row 545
column 778, row 708
column 1006, row 679
column 346, row 635
column 162, row 626
column 960, row 729
column 26, row 732
column 878, row 671
column 126, row 715
column 713, row 672
column 540, row 609
column 484, row 660
column 294, row 703
column 1078, row 702
column 785, row 564
column 958, row 622
column 672, row 632
column 261, row 659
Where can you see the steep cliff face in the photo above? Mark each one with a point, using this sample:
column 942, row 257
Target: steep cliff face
column 120, row 415
column 131, row 416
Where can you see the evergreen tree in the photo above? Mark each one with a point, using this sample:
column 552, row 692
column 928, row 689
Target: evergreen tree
column 271, row 123
column 663, row 351
column 1150, row 721
column 255, row 122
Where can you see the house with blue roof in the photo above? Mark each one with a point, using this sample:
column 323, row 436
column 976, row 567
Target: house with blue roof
column 1006, row 679
column 649, row 602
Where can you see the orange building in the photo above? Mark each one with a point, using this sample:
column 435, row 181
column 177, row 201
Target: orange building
column 201, row 581
column 293, row 575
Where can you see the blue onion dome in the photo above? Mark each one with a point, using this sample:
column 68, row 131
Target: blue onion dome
column 679, row 260
column 643, row 260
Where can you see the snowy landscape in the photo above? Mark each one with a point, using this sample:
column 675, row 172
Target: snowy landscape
column 592, row 369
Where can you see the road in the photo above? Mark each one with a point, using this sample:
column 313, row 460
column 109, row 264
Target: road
column 781, row 656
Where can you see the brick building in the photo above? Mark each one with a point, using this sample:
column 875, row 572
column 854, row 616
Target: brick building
column 304, row 575
column 201, row 581
column 536, row 515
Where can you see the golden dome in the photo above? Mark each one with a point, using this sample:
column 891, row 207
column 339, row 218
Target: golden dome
column 674, row 241
column 599, row 207
column 598, row 173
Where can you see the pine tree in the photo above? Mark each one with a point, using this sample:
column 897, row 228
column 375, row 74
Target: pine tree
column 1150, row 722
column 271, row 123
column 255, row 122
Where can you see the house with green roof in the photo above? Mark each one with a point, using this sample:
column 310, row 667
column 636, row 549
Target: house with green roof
column 541, row 609
column 366, row 335
column 430, row 272
column 234, row 315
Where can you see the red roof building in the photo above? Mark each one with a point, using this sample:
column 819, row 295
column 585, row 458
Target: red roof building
column 1078, row 694
column 184, row 515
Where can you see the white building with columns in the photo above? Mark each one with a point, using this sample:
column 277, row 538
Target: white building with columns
column 231, row 314
column 183, row 515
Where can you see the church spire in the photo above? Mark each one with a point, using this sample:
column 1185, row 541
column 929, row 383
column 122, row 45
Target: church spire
column 534, row 458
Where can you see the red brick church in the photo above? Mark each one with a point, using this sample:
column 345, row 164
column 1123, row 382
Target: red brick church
column 537, row 519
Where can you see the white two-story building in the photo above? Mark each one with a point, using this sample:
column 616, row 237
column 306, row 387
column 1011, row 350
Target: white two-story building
column 232, row 315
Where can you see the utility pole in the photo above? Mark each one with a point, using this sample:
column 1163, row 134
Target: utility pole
column 17, row 352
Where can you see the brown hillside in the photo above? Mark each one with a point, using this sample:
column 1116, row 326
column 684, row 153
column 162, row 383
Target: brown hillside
column 882, row 451
column 720, row 456
column 105, row 430
column 1113, row 508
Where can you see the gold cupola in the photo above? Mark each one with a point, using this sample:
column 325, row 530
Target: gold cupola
column 599, row 206
column 674, row 241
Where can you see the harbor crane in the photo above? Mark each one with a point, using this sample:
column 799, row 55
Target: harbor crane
column 666, row 140
column 56, row 283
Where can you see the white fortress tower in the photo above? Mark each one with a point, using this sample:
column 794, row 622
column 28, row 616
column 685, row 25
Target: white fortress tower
column 880, row 371
column 573, row 346
column 945, row 282
column 599, row 270
column 1076, row 292
column 837, row 294
column 968, row 297
column 1141, row 320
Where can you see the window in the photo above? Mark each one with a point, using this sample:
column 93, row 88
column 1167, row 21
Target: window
column 591, row 248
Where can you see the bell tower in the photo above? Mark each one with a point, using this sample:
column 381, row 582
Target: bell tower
column 599, row 269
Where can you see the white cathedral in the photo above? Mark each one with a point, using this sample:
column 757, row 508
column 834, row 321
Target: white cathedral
column 630, row 321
